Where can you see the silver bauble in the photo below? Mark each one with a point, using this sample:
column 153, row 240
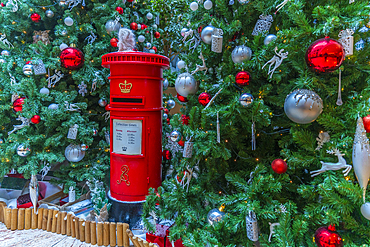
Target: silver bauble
column 183, row 31
column 175, row 136
column 303, row 106
column 141, row 38
column 171, row 103
column 2, row 60
column 165, row 84
column 102, row 102
column 181, row 64
column 155, row 26
column 149, row 16
column 49, row 13
column 64, row 32
column 194, row 6
column 27, row 69
column 165, row 115
column 84, row 147
column 186, row 84
column 215, row 216
column 53, row 106
column 63, row 46
column 241, row 53
column 148, row 45
column 365, row 210
column 112, row 26
column 246, row 99
column 44, row 90
column 206, row 34
column 68, row 21
column 23, row 151
column 74, row 153
column 269, row 38
column 243, row 1
column 5, row 53
column 208, row 4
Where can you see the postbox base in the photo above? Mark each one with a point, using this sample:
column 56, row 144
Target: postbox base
column 125, row 212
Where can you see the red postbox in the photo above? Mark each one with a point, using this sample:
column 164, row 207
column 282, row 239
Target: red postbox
column 135, row 123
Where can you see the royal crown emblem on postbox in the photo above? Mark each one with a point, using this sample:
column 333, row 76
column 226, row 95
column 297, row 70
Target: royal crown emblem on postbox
column 125, row 87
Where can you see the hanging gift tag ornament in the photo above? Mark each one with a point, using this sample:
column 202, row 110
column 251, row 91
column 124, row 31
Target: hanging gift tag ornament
column 252, row 226
column 71, row 194
column 217, row 40
column 263, row 24
column 72, row 133
column 346, row 39
column 188, row 149
column 39, row 68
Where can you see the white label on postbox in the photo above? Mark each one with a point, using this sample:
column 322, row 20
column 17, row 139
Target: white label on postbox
column 127, row 136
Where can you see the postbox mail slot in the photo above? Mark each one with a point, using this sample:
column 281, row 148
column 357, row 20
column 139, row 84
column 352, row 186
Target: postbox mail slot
column 128, row 100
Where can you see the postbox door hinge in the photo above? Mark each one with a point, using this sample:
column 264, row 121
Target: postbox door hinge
column 148, row 179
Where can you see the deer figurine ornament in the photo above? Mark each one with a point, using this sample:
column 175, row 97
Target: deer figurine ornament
column 326, row 166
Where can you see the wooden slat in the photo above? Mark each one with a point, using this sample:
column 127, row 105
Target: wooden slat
column 14, row 223
column 69, row 226
column 28, row 218
column 106, row 234
column 54, row 221
column 63, row 222
column 34, row 219
column 87, row 232
column 93, row 233
column 40, row 214
column 99, row 233
column 112, row 234
column 45, row 219
column 21, row 213
column 8, row 217
column 126, row 240
column 81, row 227
column 120, row 234
column 50, row 220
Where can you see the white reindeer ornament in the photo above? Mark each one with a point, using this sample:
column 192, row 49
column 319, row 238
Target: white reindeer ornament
column 326, row 166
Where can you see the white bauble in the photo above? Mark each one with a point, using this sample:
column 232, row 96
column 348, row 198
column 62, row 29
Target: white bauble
column 208, row 4
column 206, row 34
column 141, row 38
column 23, row 151
column 53, row 106
column 149, row 16
column 155, row 26
column 181, row 64
column 63, row 46
column 68, row 21
column 74, row 153
column 303, row 106
column 186, row 84
column 44, row 90
column 112, row 26
column 194, row 6
column 269, row 38
column 49, row 13
column 365, row 210
column 241, row 53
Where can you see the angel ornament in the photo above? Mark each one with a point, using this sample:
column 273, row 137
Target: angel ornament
column 5, row 41
column 126, row 41
column 201, row 67
column 276, row 61
column 326, row 166
column 217, row 40
column 25, row 122
column 346, row 39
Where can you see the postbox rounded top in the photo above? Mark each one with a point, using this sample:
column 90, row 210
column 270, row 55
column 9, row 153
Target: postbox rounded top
column 117, row 58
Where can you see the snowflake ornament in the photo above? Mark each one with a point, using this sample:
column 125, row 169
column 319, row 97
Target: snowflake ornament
column 82, row 88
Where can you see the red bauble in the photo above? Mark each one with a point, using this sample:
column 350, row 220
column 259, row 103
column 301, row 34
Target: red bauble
column 166, row 110
column 182, row 98
column 366, row 121
column 18, row 104
column 181, row 142
column 29, row 62
column 130, row 1
column 119, row 10
column 242, row 78
column 185, row 119
column 279, row 166
column 157, row 35
column 35, row 17
column 36, row 119
column 2, row 5
column 72, row 58
column 325, row 55
column 168, row 121
column 328, row 237
column 204, row 98
column 133, row 26
column 154, row 48
column 166, row 155
column 114, row 42
column 143, row 26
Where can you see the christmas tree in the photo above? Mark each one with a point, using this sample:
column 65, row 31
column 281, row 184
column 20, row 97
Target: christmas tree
column 54, row 89
column 266, row 96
